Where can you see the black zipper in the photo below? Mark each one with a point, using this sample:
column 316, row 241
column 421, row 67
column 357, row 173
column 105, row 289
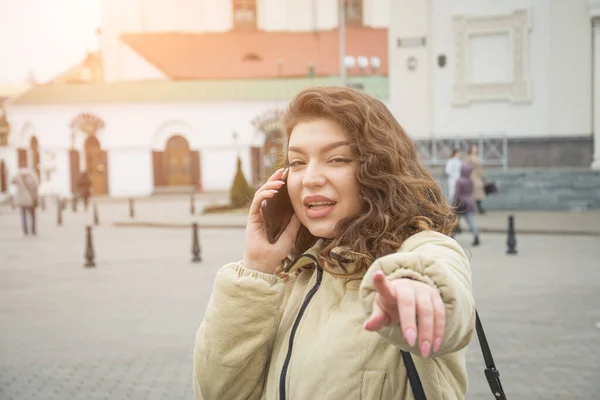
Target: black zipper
column 307, row 300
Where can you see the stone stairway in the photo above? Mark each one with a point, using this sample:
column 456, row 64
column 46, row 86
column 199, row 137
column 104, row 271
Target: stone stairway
column 548, row 189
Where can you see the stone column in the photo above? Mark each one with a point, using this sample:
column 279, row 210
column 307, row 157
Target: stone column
column 595, row 15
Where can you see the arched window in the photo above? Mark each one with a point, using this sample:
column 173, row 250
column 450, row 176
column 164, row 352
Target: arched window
column 179, row 163
column 354, row 12
column 35, row 154
column 244, row 14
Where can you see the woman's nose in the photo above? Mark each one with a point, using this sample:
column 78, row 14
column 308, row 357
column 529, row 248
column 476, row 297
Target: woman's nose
column 313, row 176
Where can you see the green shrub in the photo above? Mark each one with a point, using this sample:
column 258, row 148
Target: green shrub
column 240, row 194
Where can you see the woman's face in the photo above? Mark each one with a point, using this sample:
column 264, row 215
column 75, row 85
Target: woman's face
column 321, row 179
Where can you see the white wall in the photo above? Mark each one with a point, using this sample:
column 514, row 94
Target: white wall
column 558, row 66
column 528, row 119
column 118, row 16
column 570, row 65
column 409, row 90
column 130, row 171
column 131, row 132
column 9, row 156
column 133, row 67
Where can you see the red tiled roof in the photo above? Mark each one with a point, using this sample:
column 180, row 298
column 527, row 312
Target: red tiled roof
column 259, row 54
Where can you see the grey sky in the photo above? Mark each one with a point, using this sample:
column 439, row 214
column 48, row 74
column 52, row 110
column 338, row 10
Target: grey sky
column 45, row 36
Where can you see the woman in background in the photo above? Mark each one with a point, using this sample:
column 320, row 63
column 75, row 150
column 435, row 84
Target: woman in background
column 477, row 177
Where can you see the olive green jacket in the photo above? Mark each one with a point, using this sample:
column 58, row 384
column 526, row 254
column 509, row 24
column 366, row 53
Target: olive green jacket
column 299, row 338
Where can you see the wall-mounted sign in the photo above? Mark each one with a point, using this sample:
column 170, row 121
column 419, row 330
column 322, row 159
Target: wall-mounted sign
column 412, row 41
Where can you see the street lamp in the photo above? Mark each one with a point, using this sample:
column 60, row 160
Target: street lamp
column 375, row 63
column 341, row 5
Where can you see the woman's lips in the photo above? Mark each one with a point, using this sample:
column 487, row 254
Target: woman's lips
column 320, row 211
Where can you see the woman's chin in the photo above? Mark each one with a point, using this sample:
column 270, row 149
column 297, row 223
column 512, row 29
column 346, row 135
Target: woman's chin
column 324, row 231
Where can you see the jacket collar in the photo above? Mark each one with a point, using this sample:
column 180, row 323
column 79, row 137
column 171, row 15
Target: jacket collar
column 310, row 256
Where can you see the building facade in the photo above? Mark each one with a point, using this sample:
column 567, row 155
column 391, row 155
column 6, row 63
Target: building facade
column 185, row 88
column 179, row 90
column 524, row 71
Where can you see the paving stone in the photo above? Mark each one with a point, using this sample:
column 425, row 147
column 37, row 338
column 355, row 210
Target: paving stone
column 125, row 329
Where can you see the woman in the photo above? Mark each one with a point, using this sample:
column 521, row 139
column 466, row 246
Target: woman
column 477, row 177
column 371, row 256
column 464, row 202
column 26, row 197
column 452, row 170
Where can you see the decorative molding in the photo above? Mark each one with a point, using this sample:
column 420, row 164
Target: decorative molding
column 517, row 26
column 270, row 120
column 594, row 6
column 87, row 123
column 170, row 128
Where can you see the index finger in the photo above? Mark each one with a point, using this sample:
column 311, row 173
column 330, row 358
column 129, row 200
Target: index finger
column 384, row 288
column 276, row 175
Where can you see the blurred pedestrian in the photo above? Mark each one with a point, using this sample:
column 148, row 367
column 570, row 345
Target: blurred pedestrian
column 477, row 177
column 84, row 185
column 464, row 202
column 26, row 197
column 452, row 171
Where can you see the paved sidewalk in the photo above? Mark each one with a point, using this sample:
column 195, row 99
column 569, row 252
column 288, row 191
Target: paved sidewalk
column 173, row 211
column 125, row 329
column 555, row 223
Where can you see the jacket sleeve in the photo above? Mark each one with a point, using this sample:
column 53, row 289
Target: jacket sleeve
column 235, row 339
column 438, row 261
column 458, row 192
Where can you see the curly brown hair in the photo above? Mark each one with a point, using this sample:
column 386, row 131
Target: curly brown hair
column 399, row 196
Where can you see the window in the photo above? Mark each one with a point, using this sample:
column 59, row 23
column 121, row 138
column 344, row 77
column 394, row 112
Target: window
column 244, row 14
column 354, row 12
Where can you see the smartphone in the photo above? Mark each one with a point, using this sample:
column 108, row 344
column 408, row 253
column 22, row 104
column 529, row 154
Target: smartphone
column 277, row 212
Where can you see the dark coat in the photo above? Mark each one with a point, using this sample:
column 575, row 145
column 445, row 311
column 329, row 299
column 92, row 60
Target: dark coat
column 464, row 189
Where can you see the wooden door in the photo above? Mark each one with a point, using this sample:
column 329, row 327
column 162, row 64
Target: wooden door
column 178, row 162
column 35, row 155
column 74, row 168
column 22, row 158
column 3, row 183
column 96, row 165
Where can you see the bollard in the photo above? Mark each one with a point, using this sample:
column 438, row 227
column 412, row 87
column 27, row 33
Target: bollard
column 131, row 210
column 512, row 239
column 74, row 204
column 59, row 208
column 192, row 205
column 195, row 244
column 89, row 249
column 96, row 221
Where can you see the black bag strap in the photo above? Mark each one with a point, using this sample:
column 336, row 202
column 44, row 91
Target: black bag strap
column 491, row 373
column 413, row 377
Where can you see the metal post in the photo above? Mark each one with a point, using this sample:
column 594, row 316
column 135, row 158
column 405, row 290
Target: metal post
column 131, row 209
column 59, row 208
column 342, row 5
column 96, row 221
column 89, row 249
column 512, row 239
column 195, row 243
column 504, row 153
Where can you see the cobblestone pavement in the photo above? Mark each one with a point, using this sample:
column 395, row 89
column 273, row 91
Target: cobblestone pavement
column 125, row 329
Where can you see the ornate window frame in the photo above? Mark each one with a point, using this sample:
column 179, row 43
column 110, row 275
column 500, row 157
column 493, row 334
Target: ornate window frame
column 517, row 25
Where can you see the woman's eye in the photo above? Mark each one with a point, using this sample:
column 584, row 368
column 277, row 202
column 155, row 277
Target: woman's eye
column 295, row 163
column 340, row 160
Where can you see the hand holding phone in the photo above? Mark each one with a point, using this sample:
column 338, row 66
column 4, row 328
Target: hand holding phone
column 265, row 248
column 277, row 212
